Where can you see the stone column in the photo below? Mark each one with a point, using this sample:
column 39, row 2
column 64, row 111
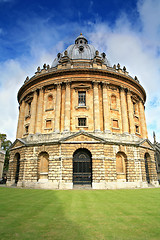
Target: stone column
column 57, row 109
column 33, row 113
column 21, row 120
column 96, row 107
column 106, row 109
column 67, row 108
column 130, row 112
column 40, row 111
column 124, row 110
column 142, row 119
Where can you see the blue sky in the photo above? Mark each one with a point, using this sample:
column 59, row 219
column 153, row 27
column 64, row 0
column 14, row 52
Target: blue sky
column 33, row 32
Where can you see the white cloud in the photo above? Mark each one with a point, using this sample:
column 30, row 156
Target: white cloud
column 11, row 74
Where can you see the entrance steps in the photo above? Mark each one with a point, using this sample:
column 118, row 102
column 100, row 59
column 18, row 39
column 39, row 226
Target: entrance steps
column 81, row 187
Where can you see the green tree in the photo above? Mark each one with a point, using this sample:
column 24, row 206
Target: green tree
column 5, row 144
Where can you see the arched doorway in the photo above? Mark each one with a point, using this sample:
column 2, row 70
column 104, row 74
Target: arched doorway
column 17, row 159
column 147, row 160
column 82, row 167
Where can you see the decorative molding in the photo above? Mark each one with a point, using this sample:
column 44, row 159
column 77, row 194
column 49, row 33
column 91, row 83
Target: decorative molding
column 86, row 107
column 81, row 86
column 58, row 85
column 105, row 85
column 113, row 88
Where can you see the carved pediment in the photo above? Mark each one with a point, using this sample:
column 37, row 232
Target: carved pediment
column 147, row 144
column 17, row 144
column 82, row 137
column 81, row 86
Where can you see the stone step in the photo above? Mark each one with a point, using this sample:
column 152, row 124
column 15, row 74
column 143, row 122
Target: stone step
column 80, row 186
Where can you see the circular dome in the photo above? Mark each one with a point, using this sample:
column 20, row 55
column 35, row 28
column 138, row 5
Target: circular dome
column 80, row 50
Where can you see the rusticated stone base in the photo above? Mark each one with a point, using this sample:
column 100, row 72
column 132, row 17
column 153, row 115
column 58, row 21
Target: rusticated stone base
column 102, row 185
column 114, row 165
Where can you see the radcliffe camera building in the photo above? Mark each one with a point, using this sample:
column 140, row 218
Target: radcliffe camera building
column 82, row 121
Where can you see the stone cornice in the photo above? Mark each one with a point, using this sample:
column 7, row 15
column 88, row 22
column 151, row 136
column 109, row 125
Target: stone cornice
column 36, row 79
column 114, row 139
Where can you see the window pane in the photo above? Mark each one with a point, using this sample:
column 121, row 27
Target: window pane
column 137, row 129
column 48, row 123
column 81, row 121
column 82, row 98
column 115, row 123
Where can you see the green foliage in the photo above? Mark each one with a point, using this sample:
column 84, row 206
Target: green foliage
column 79, row 214
column 5, row 144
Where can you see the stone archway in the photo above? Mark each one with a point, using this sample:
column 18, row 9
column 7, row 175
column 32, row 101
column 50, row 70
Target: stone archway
column 17, row 160
column 147, row 162
column 82, row 167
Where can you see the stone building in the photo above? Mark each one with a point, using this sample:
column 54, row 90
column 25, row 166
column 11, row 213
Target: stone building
column 2, row 158
column 157, row 155
column 82, row 121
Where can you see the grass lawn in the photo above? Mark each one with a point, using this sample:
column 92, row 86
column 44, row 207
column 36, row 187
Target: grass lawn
column 79, row 214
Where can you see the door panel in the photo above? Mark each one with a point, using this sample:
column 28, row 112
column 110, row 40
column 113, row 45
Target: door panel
column 82, row 168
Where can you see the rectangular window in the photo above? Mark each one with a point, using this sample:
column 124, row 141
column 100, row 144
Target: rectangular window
column 48, row 123
column 27, row 129
column 81, row 122
column 29, row 108
column 81, row 98
column 115, row 123
column 134, row 108
column 137, row 129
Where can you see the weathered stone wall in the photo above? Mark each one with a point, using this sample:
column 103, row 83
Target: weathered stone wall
column 60, row 173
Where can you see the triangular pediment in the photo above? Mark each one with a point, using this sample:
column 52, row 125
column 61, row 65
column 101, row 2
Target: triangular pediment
column 81, row 86
column 17, row 143
column 147, row 144
column 82, row 137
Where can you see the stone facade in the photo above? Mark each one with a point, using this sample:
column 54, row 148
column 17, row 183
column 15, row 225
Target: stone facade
column 81, row 107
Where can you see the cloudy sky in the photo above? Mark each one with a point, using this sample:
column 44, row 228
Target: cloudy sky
column 33, row 32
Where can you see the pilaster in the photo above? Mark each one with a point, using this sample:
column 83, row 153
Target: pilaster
column 96, row 107
column 106, row 110
column 57, row 109
column 124, row 110
column 130, row 112
column 67, row 108
column 142, row 120
column 40, row 111
column 33, row 113
column 21, row 120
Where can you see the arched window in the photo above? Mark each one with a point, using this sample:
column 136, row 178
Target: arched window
column 113, row 102
column 147, row 163
column 43, row 165
column 121, row 166
column 50, row 102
